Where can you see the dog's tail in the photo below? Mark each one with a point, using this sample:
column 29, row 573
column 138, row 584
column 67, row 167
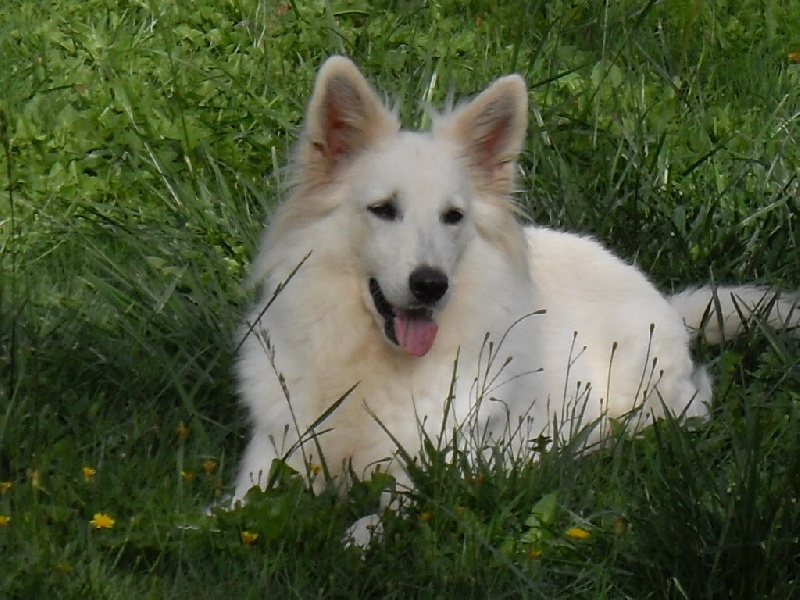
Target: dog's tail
column 721, row 313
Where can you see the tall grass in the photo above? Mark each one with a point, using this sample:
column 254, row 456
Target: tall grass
column 141, row 151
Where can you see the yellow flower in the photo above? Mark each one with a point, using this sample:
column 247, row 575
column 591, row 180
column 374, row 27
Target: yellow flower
column 63, row 568
column 187, row 475
column 426, row 516
column 577, row 533
column 102, row 521
column 315, row 468
column 5, row 486
column 209, row 466
column 532, row 553
column 794, row 57
column 88, row 473
column 4, row 520
column 248, row 537
column 182, row 430
column 620, row 525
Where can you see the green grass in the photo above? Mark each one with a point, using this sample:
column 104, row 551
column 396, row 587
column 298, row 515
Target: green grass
column 140, row 151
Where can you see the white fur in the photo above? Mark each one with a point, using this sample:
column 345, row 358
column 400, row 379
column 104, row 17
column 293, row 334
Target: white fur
column 607, row 342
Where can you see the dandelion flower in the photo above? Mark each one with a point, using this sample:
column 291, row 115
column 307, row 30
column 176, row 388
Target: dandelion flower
column 533, row 553
column 182, row 430
column 187, row 475
column 63, row 568
column 426, row 516
column 315, row 468
column 248, row 537
column 577, row 533
column 794, row 57
column 620, row 525
column 88, row 473
column 5, row 486
column 209, row 466
column 102, row 521
column 4, row 520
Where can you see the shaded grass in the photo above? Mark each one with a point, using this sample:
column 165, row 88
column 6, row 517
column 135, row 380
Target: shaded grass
column 141, row 151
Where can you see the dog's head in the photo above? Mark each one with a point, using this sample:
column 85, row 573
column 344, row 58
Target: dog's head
column 412, row 201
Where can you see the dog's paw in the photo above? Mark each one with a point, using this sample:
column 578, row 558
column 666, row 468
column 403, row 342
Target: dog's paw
column 364, row 532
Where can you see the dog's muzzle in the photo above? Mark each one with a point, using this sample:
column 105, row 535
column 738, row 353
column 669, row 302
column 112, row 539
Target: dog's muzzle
column 412, row 328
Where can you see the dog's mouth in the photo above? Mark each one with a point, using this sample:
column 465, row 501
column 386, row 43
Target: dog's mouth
column 412, row 329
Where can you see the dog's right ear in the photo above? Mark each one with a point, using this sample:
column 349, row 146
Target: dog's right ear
column 344, row 117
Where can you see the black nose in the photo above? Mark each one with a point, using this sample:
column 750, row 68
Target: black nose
column 427, row 284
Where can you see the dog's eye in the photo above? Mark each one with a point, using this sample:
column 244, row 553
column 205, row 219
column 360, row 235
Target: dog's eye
column 452, row 216
column 386, row 210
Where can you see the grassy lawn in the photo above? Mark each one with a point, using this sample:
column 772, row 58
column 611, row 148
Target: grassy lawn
column 141, row 149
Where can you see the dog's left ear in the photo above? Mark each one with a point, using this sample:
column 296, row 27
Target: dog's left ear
column 490, row 131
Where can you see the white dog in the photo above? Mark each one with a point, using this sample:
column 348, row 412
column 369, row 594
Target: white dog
column 400, row 291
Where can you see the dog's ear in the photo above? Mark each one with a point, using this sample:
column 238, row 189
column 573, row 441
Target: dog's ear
column 344, row 116
column 490, row 131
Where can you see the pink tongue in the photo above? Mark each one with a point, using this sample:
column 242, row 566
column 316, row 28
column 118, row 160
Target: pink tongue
column 414, row 333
